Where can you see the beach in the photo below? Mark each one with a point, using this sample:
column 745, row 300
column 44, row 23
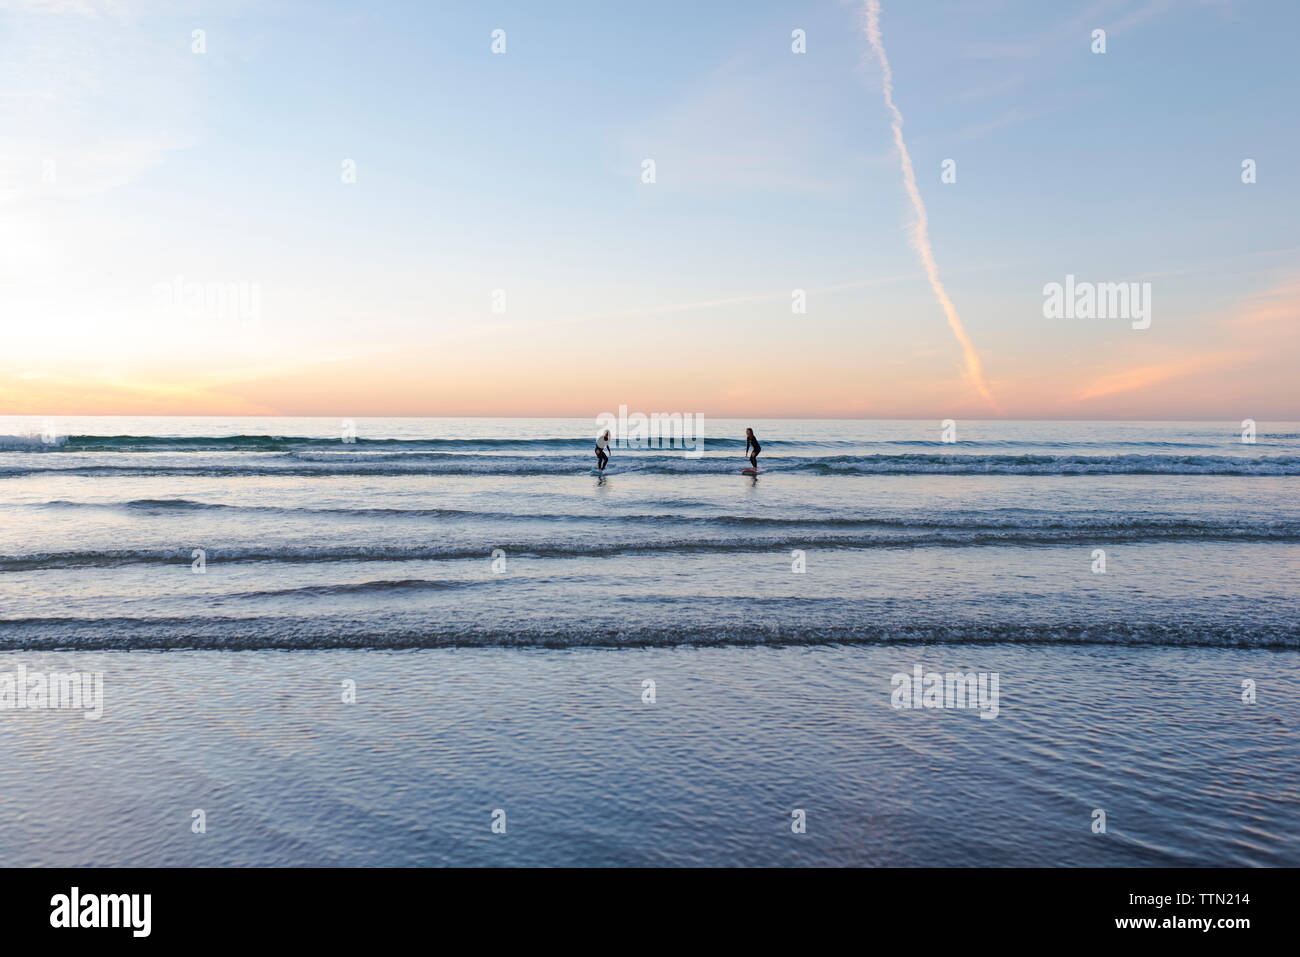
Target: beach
column 658, row 666
column 588, row 773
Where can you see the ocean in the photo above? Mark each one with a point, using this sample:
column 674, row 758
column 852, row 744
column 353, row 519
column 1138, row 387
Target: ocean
column 673, row 663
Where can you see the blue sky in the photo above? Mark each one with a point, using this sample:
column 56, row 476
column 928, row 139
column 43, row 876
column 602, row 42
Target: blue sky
column 775, row 171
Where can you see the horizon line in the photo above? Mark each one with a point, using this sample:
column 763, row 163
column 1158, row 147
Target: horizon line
column 790, row 418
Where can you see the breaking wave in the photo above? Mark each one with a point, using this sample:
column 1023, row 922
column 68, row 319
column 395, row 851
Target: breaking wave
column 661, row 464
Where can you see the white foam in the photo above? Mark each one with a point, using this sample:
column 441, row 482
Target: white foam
column 32, row 441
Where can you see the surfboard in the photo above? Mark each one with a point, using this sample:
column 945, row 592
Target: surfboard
column 599, row 472
column 750, row 471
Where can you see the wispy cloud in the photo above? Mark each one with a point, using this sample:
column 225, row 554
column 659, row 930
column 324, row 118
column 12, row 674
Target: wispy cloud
column 1114, row 16
column 732, row 130
column 1011, row 117
column 1267, row 333
column 84, row 8
column 1156, row 373
column 1282, row 302
column 920, row 224
column 989, row 90
column 1154, row 8
column 78, row 170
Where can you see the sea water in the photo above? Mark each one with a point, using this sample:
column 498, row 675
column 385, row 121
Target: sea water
column 365, row 638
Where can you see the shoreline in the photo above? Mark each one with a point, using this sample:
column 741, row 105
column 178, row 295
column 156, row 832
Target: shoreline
column 708, row 773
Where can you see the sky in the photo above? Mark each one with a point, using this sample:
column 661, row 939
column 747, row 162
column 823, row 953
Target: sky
column 361, row 209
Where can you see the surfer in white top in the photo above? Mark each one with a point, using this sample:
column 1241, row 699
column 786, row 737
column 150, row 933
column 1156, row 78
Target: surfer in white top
column 602, row 451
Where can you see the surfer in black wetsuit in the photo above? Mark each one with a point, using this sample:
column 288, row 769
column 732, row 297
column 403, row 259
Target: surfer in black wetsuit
column 752, row 440
column 602, row 451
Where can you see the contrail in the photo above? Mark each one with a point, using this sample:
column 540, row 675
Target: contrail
column 920, row 234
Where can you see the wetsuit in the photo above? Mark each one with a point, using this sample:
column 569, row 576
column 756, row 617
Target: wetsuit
column 601, row 455
column 752, row 440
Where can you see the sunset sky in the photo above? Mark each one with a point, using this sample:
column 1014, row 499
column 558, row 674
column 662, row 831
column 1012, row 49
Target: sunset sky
column 132, row 166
